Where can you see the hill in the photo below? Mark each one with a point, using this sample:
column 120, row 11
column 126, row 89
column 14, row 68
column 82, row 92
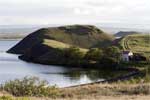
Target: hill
column 136, row 43
column 46, row 46
column 84, row 36
column 125, row 33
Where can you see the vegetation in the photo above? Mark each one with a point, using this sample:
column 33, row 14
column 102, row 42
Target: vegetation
column 6, row 98
column 108, row 90
column 29, row 87
column 94, row 54
column 79, row 46
column 102, row 58
column 139, row 45
column 94, row 91
column 83, row 36
column 66, row 46
column 113, row 52
column 136, row 43
column 75, row 57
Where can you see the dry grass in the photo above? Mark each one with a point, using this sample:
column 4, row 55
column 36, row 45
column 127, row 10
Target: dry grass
column 115, row 91
column 61, row 45
column 106, row 90
column 56, row 44
column 124, row 97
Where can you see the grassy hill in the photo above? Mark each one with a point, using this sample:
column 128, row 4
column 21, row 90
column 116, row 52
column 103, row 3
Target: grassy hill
column 137, row 43
column 84, row 36
column 46, row 45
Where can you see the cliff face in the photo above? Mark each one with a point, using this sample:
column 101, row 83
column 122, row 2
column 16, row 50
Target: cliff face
column 84, row 36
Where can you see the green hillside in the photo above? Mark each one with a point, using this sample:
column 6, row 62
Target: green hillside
column 83, row 36
column 136, row 43
column 59, row 45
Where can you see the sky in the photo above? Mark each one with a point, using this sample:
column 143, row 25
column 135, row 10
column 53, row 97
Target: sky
column 37, row 12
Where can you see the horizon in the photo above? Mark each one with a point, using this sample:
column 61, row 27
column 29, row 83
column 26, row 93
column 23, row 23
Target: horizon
column 110, row 29
column 100, row 25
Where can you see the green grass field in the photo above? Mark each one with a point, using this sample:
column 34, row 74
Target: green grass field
column 60, row 45
column 136, row 43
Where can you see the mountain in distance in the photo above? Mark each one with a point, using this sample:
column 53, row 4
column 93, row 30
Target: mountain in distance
column 114, row 28
column 26, row 29
column 125, row 33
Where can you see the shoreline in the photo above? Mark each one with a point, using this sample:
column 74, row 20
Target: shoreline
column 11, row 39
column 135, row 72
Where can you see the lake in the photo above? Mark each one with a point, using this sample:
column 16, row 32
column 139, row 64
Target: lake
column 11, row 68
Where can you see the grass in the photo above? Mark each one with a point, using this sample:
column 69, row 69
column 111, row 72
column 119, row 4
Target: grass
column 55, row 44
column 114, row 89
column 60, row 45
column 136, row 43
column 124, row 97
column 95, row 91
column 83, row 36
column 29, row 89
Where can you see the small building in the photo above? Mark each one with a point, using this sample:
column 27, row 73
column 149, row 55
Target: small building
column 127, row 55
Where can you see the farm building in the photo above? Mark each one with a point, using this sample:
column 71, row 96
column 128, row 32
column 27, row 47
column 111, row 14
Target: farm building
column 127, row 55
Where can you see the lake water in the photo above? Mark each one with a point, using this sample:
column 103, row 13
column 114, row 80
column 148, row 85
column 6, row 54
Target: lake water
column 11, row 68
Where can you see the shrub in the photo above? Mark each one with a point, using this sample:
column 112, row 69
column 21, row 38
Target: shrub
column 113, row 52
column 6, row 98
column 30, row 86
column 73, row 56
column 108, row 62
column 141, row 89
column 94, row 54
column 73, row 53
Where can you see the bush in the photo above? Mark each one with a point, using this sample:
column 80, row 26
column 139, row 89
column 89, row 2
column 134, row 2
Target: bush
column 113, row 52
column 94, row 54
column 109, row 62
column 73, row 56
column 73, row 53
column 13, row 98
column 142, row 89
column 30, row 87
column 6, row 98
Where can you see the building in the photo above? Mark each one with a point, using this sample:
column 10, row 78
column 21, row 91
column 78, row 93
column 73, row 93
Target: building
column 127, row 55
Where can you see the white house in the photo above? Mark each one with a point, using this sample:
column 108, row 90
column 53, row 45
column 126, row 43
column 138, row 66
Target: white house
column 126, row 55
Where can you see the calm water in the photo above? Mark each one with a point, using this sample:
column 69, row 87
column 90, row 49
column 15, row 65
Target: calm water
column 11, row 68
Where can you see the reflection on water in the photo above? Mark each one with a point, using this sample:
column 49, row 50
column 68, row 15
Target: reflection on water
column 11, row 68
column 93, row 75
